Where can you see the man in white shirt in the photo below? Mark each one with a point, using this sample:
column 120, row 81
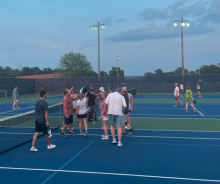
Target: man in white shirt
column 176, row 95
column 116, row 104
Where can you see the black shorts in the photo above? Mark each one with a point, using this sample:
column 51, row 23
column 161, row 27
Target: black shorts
column 68, row 120
column 82, row 116
column 40, row 127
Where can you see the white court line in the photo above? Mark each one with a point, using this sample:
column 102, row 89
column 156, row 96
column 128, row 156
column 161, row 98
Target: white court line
column 171, row 115
column 112, row 174
column 134, row 136
column 198, row 111
column 201, row 109
column 17, row 109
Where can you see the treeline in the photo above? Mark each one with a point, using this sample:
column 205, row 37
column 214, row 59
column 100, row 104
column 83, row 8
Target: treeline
column 24, row 71
column 205, row 69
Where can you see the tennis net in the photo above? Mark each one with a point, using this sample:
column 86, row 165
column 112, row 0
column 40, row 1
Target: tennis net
column 19, row 129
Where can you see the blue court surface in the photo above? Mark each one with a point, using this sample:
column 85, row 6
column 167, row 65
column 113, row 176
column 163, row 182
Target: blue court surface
column 177, row 157
column 157, row 110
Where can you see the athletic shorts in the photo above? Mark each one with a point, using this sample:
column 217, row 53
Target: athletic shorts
column 40, row 127
column 82, row 116
column 93, row 108
column 104, row 118
column 125, row 118
column 115, row 120
column 68, row 120
column 176, row 98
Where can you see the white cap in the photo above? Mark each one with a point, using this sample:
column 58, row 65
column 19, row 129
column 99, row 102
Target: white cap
column 102, row 89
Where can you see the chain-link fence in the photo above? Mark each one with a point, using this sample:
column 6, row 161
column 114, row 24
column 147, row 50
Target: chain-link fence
column 144, row 84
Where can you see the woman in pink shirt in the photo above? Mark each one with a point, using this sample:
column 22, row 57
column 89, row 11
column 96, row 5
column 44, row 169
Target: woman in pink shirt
column 104, row 115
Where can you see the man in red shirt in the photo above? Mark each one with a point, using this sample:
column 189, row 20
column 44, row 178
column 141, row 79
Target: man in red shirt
column 68, row 112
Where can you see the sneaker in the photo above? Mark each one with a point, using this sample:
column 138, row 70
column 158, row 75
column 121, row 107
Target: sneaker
column 126, row 127
column 13, row 108
column 119, row 144
column 175, row 106
column 33, row 149
column 71, row 133
column 130, row 133
column 81, row 134
column 86, row 134
column 131, row 130
column 62, row 134
column 52, row 146
column 114, row 141
column 94, row 122
column 105, row 137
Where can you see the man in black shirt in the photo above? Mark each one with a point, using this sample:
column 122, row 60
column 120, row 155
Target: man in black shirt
column 41, row 121
column 92, row 103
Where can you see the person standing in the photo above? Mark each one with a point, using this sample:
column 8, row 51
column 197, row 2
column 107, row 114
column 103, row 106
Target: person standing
column 198, row 89
column 41, row 121
column 15, row 96
column 124, row 92
column 116, row 104
column 68, row 111
column 81, row 112
column 189, row 98
column 182, row 90
column 176, row 95
column 92, row 104
column 131, row 106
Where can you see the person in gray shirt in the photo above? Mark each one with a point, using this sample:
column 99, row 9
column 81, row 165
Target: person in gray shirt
column 41, row 121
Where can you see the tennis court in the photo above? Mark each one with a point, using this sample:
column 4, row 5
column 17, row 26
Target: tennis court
column 167, row 146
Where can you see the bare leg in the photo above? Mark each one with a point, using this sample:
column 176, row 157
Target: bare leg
column 187, row 104
column 48, row 140
column 70, row 127
column 85, row 124
column 105, row 127
column 123, row 127
column 93, row 116
column 80, row 125
column 34, row 138
column 14, row 104
column 119, row 133
column 129, row 121
column 64, row 127
column 113, row 131
column 192, row 104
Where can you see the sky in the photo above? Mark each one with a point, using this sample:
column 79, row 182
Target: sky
column 39, row 32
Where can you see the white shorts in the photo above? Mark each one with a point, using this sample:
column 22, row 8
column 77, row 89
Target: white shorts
column 104, row 118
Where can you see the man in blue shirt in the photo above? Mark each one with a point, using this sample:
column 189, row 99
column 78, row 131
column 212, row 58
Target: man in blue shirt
column 41, row 121
column 15, row 97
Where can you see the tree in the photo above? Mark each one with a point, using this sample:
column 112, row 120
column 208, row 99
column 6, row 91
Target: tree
column 158, row 72
column 149, row 73
column 47, row 71
column 113, row 71
column 179, row 71
column 74, row 65
column 208, row 69
column 103, row 73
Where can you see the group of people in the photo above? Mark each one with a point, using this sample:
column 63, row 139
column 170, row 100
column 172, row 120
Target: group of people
column 188, row 95
column 115, row 108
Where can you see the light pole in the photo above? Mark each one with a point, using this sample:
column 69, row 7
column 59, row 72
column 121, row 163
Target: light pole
column 97, row 27
column 183, row 24
column 117, row 66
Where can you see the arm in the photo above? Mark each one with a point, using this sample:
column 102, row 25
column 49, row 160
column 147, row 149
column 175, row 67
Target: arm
column 77, row 109
column 87, row 101
column 47, row 118
column 132, row 103
column 65, row 108
column 96, row 94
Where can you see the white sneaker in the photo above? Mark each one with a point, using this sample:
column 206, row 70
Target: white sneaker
column 119, row 144
column 51, row 146
column 94, row 122
column 33, row 149
column 126, row 127
column 114, row 141
column 105, row 137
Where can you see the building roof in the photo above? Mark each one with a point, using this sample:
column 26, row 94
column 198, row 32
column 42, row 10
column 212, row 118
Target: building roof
column 41, row 76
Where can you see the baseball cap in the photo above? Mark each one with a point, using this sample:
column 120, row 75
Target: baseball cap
column 102, row 89
column 124, row 88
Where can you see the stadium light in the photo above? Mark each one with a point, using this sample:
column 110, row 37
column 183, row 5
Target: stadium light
column 183, row 24
column 97, row 27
